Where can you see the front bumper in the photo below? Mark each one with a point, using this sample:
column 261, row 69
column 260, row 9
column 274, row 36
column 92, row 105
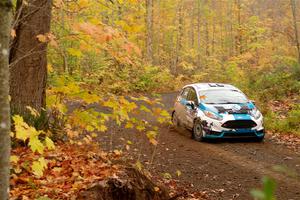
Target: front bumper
column 214, row 129
column 239, row 133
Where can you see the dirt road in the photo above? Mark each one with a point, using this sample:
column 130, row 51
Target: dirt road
column 225, row 169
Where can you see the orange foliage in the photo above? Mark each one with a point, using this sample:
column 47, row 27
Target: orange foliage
column 71, row 168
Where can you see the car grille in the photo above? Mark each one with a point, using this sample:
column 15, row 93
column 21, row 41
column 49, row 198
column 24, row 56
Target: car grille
column 236, row 124
column 248, row 134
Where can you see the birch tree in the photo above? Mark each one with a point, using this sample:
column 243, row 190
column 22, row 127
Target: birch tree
column 5, row 22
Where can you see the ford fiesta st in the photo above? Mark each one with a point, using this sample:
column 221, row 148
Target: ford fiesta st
column 214, row 110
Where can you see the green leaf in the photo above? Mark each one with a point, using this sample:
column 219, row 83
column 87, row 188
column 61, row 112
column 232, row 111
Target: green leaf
column 14, row 159
column 36, row 145
column 39, row 166
column 102, row 128
column 167, row 175
column 144, row 108
column 164, row 113
column 269, row 188
column 21, row 128
column 139, row 165
column 90, row 128
column 129, row 125
column 268, row 192
column 151, row 134
column 74, row 52
column 43, row 198
column 178, row 173
column 258, row 194
column 140, row 127
column 49, row 143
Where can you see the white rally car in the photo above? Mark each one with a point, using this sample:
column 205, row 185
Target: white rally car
column 214, row 110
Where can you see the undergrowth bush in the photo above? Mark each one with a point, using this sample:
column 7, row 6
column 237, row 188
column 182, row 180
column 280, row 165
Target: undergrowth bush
column 283, row 124
column 275, row 84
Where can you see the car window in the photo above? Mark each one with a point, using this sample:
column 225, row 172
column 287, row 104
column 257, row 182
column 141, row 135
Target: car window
column 184, row 93
column 192, row 96
column 223, row 96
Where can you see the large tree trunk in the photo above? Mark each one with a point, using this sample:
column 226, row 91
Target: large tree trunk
column 5, row 22
column 28, row 58
column 293, row 7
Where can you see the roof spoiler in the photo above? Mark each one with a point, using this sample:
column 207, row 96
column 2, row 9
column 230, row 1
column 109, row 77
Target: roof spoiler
column 215, row 85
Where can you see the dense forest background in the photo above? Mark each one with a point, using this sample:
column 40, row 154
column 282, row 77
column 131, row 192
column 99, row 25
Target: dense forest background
column 72, row 70
column 145, row 46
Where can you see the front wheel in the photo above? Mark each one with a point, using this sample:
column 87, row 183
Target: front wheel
column 260, row 139
column 198, row 131
column 175, row 120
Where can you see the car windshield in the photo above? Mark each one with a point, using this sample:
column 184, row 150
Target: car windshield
column 222, row 97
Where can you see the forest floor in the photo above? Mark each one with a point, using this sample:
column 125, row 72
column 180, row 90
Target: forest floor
column 226, row 169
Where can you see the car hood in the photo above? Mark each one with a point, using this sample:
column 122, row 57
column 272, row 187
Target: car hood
column 239, row 108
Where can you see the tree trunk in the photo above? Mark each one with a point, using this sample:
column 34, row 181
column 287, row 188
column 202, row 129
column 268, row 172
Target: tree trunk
column 231, row 34
column 206, row 30
column 28, row 57
column 221, row 18
column 213, row 41
column 179, row 39
column 158, row 29
column 239, row 48
column 198, row 34
column 149, row 22
column 192, row 25
column 207, row 38
column 5, row 23
column 293, row 7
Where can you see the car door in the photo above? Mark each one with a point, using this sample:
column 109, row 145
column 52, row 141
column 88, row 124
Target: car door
column 180, row 104
column 190, row 113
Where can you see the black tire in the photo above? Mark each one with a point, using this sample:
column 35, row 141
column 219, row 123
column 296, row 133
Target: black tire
column 197, row 132
column 175, row 120
column 260, row 139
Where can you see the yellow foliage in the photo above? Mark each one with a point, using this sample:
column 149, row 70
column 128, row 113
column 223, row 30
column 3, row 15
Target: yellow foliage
column 74, row 52
column 14, row 159
column 35, row 144
column 39, row 166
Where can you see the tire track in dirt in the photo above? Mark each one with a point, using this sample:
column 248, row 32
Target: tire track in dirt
column 226, row 169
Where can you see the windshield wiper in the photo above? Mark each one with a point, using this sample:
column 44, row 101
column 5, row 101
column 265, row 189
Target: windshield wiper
column 230, row 102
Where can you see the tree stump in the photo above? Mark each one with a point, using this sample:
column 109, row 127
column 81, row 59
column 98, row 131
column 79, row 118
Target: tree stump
column 130, row 185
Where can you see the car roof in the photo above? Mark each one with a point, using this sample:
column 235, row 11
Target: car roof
column 211, row 86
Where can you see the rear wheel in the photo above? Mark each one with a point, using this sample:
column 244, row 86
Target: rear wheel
column 198, row 131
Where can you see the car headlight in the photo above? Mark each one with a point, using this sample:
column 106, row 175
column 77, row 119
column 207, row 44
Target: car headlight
column 255, row 113
column 212, row 115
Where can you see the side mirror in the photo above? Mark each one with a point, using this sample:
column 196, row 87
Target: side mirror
column 191, row 104
column 253, row 101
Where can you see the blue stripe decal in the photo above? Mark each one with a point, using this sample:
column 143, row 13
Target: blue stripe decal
column 251, row 105
column 241, row 116
column 204, row 108
column 183, row 101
